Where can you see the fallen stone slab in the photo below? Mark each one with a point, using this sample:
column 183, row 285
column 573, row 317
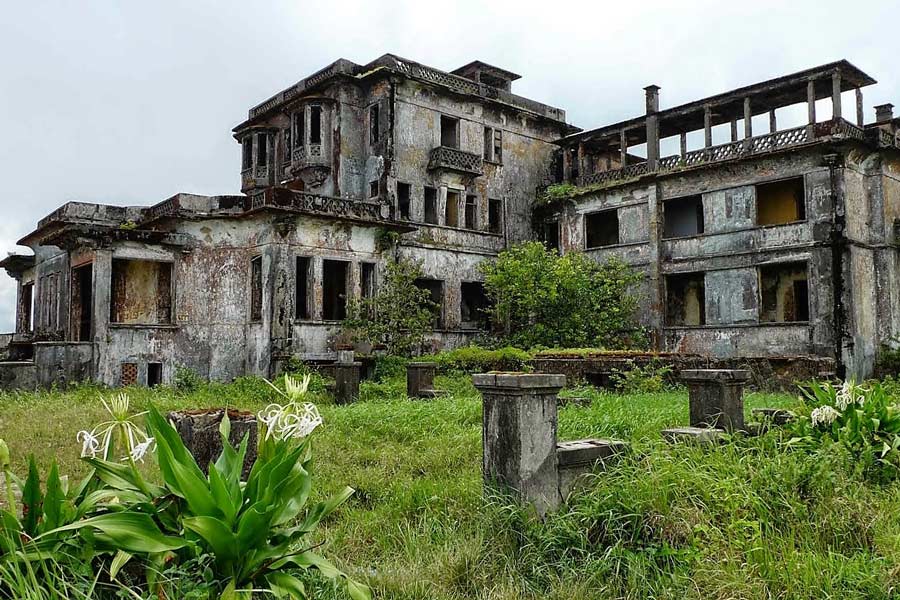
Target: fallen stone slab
column 697, row 435
column 577, row 458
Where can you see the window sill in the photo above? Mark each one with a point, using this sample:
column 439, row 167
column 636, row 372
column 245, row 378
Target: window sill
column 621, row 245
column 449, row 228
column 731, row 231
column 740, row 325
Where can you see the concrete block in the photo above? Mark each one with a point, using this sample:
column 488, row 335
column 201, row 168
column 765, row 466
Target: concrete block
column 419, row 378
column 716, row 397
column 698, row 435
column 346, row 382
column 199, row 429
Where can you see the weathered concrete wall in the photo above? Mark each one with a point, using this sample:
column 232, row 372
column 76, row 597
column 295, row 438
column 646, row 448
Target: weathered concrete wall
column 62, row 363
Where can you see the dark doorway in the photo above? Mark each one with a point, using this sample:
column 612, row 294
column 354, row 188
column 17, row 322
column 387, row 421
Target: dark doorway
column 82, row 302
column 154, row 374
column 334, row 289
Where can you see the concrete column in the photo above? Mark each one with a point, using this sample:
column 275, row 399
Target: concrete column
column 836, row 95
column 652, row 125
column 884, row 113
column 748, row 122
column 582, row 171
column 773, row 124
column 707, row 127
column 315, row 284
column 519, row 436
column 734, row 131
column 811, row 109
column 623, row 148
column 656, row 292
column 683, row 140
column 860, row 117
column 420, row 379
column 21, row 325
column 346, row 382
column 716, row 397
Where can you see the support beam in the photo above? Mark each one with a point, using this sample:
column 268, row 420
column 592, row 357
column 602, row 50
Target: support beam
column 707, row 127
column 734, row 131
column 836, row 95
column 860, row 117
column 773, row 124
column 652, row 125
column 623, row 147
column 683, row 139
column 748, row 120
column 811, row 109
column 581, row 162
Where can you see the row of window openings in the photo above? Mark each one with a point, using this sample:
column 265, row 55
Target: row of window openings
column 777, row 203
column 451, row 208
column 493, row 137
column 335, row 277
column 783, row 296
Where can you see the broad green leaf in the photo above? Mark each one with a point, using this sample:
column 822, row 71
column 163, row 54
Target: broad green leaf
column 53, row 500
column 129, row 531
column 254, row 526
column 214, row 532
column 122, row 477
column 119, row 561
column 285, row 585
column 224, row 497
column 309, row 560
column 31, row 499
column 358, row 591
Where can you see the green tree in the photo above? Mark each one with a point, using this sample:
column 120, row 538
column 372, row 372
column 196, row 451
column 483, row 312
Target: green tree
column 543, row 299
column 398, row 315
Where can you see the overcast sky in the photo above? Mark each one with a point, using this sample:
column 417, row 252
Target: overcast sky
column 128, row 102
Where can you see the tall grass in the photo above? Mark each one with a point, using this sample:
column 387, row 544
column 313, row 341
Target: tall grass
column 749, row 519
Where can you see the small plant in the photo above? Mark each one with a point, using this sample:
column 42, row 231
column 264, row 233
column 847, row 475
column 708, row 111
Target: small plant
column 187, row 380
column 887, row 363
column 385, row 239
column 474, row 359
column 652, row 378
column 865, row 419
column 558, row 191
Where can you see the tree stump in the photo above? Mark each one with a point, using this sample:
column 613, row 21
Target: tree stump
column 199, row 429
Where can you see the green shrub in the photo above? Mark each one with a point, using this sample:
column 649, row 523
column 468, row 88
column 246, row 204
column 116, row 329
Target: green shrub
column 474, row 359
column 187, row 380
column 542, row 299
column 390, row 367
column 652, row 378
column 887, row 363
column 865, row 419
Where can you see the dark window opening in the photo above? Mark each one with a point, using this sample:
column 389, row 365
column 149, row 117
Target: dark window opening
column 82, row 304
column 780, row 202
column 334, row 289
column 471, row 211
column 474, row 305
column 784, row 293
column 286, row 136
column 301, row 288
column 403, row 193
column 373, row 189
column 449, row 132
column 683, row 217
column 367, row 279
column 27, row 323
column 141, row 292
column 247, row 153
column 431, row 205
column 256, row 289
column 299, row 129
column 601, row 229
column 686, row 300
column 262, row 149
column 488, row 142
column 451, row 215
column 550, row 235
column 495, row 215
column 435, row 289
column 154, row 374
column 373, row 124
column 315, row 124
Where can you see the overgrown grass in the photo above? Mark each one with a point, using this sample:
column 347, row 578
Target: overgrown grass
column 750, row 519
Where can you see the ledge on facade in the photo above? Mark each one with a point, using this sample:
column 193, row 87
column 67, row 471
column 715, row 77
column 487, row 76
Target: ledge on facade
column 313, row 204
column 453, row 159
column 16, row 264
column 737, row 325
column 169, row 326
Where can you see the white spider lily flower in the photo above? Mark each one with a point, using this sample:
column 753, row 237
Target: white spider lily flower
column 291, row 421
column 844, row 397
column 824, row 415
column 139, row 451
column 90, row 444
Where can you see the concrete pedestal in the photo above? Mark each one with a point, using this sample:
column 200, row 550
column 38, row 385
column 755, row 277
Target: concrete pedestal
column 716, row 397
column 346, row 382
column 420, row 379
column 519, row 435
column 199, row 429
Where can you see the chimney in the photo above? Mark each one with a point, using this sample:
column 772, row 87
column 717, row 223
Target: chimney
column 652, row 98
column 884, row 113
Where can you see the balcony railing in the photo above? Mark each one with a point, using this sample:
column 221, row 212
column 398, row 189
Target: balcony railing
column 312, row 155
column 762, row 144
column 319, row 205
column 454, row 159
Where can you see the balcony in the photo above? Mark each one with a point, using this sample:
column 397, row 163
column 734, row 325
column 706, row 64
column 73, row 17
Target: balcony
column 453, row 159
column 758, row 145
column 312, row 155
column 315, row 204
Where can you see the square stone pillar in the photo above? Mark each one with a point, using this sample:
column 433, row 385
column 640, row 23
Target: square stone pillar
column 519, row 435
column 716, row 397
column 419, row 378
column 346, row 382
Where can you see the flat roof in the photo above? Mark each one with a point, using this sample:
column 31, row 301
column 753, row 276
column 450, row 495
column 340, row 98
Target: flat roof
column 729, row 106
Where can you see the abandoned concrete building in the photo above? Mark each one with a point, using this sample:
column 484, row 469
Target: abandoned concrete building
column 783, row 242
